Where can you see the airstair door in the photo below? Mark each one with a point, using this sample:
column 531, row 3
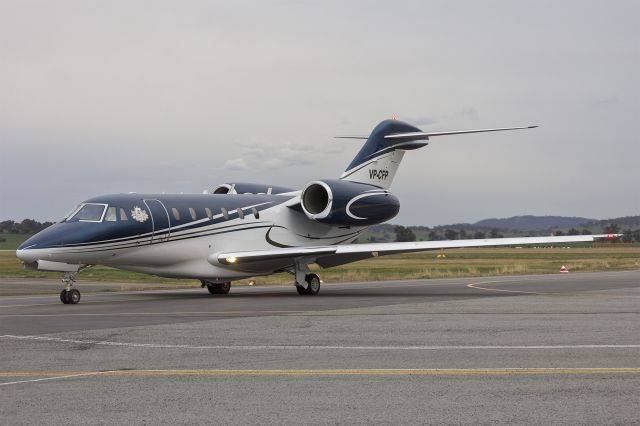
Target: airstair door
column 160, row 219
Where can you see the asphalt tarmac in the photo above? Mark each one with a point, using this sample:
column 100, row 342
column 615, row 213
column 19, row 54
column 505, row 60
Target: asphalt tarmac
column 561, row 349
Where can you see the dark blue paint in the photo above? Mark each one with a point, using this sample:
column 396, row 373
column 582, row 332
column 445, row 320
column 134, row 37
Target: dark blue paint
column 68, row 234
column 374, row 209
column 377, row 142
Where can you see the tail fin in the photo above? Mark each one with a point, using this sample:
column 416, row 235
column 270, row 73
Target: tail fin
column 379, row 158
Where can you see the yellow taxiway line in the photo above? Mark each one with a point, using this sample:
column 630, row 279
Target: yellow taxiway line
column 477, row 287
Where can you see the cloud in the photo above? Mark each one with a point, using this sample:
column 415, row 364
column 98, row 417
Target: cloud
column 422, row 120
column 236, row 164
column 606, row 102
column 467, row 113
column 259, row 155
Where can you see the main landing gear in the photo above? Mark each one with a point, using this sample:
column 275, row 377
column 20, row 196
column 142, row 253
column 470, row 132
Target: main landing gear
column 217, row 288
column 306, row 282
column 312, row 287
column 70, row 295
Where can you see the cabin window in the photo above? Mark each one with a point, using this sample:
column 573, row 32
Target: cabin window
column 240, row 213
column 176, row 213
column 115, row 214
column 89, row 212
column 225, row 213
column 111, row 215
column 255, row 213
column 193, row 213
column 209, row 214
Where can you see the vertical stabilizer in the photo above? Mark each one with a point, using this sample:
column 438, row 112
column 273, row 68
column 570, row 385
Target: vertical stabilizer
column 380, row 157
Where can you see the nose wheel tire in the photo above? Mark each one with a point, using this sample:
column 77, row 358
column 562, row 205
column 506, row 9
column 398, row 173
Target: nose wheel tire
column 313, row 285
column 70, row 297
column 73, row 296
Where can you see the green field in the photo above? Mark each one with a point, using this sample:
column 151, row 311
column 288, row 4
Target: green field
column 457, row 263
column 12, row 241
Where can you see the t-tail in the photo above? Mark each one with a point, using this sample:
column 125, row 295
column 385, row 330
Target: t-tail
column 379, row 159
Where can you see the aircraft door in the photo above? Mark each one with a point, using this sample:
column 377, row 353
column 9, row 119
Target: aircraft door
column 160, row 220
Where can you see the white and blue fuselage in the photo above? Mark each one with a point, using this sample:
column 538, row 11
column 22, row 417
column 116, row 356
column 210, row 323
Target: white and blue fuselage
column 179, row 235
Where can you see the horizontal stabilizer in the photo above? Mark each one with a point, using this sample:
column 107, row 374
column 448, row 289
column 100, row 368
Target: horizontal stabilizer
column 427, row 135
column 386, row 145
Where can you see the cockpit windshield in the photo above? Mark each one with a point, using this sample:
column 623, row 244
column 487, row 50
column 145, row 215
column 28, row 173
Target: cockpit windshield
column 89, row 212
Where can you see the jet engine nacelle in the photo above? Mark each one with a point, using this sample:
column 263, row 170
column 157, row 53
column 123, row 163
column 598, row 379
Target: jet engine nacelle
column 249, row 188
column 342, row 202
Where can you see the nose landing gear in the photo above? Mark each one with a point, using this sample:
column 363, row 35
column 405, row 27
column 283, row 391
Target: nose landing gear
column 69, row 295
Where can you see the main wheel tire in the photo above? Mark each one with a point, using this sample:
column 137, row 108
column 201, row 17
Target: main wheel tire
column 73, row 296
column 313, row 284
column 224, row 287
column 301, row 290
column 63, row 297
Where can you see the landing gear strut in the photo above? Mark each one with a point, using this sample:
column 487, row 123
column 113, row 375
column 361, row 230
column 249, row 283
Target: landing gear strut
column 217, row 288
column 70, row 295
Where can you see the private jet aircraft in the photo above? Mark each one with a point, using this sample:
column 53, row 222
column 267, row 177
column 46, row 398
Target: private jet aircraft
column 241, row 230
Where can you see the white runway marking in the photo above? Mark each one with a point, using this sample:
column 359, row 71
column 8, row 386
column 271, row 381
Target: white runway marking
column 47, row 376
column 316, row 347
column 477, row 287
column 43, row 379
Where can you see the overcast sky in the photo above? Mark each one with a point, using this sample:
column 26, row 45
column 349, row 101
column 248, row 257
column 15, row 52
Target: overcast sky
column 165, row 96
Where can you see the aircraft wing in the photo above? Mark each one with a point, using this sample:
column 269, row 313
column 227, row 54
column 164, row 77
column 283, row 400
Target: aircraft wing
column 328, row 256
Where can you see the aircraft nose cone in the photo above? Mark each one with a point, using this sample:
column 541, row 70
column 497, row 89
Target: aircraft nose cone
column 37, row 246
column 28, row 251
column 26, row 255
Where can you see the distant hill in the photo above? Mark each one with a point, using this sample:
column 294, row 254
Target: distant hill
column 518, row 226
column 626, row 222
column 534, row 223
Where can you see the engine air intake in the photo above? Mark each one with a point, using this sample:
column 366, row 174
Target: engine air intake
column 342, row 202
